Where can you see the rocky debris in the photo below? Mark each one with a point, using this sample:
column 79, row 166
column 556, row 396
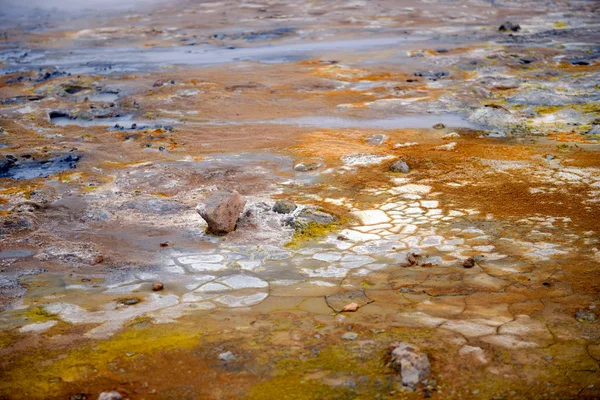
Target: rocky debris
column 78, row 396
column 376, row 139
column 447, row 147
column 72, row 253
column 164, row 244
column 305, row 167
column 347, row 301
column 227, row 356
column 284, row 207
column 221, row 210
column 585, row 316
column 410, row 362
column 469, row 262
column 509, row 27
column 114, row 395
column 451, row 135
column 310, row 215
column 350, row 336
column 158, row 83
column 128, row 302
column 439, row 126
column 157, row 286
column 411, row 258
column 399, row 166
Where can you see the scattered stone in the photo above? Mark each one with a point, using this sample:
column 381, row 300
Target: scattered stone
column 128, row 302
column 399, row 166
column 350, row 336
column 157, row 286
column 439, row 126
column 509, row 27
column 469, row 262
column 284, row 207
column 350, row 307
column 339, row 302
column 98, row 259
column 78, row 396
column 305, row 167
column 158, row 83
column 411, row 258
column 311, row 215
column 114, row 395
column 164, row 244
column 451, row 135
column 447, row 147
column 221, row 210
column 376, row 139
column 585, row 316
column 227, row 356
column 411, row 363
column 550, row 157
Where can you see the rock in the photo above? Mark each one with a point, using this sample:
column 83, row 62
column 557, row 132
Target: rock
column 376, row 139
column 469, row 262
column 284, row 207
column 509, row 27
column 305, row 167
column 164, row 244
column 221, row 210
column 158, row 83
column 339, row 302
column 114, row 395
column 411, row 363
column 399, row 166
column 451, row 135
column 128, row 302
column 98, row 259
column 78, row 396
column 350, row 336
column 157, row 286
column 447, row 147
column 350, row 307
column 549, row 157
column 585, row 316
column 439, row 126
column 227, row 356
column 311, row 215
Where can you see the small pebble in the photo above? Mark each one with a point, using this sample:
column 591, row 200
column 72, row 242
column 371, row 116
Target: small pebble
column 469, row 262
column 350, row 336
column 157, row 286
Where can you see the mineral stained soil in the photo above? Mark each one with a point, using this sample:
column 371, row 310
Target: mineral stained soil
column 117, row 119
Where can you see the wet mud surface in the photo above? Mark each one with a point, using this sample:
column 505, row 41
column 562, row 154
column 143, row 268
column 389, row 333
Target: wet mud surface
column 481, row 247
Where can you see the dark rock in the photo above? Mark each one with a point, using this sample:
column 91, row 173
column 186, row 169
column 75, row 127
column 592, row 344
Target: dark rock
column 439, row 126
column 157, row 286
column 221, row 210
column 311, row 215
column 399, row 166
column 128, row 302
column 78, row 396
column 284, row 207
column 509, row 27
column 158, row 83
column 410, row 362
column 469, row 262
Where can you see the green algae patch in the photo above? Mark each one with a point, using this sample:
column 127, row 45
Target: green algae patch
column 36, row 373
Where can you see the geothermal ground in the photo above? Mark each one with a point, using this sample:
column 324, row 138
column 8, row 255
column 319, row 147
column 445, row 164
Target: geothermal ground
column 417, row 172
